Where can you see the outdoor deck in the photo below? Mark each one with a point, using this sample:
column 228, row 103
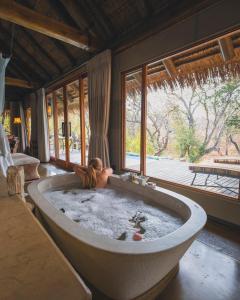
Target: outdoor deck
column 177, row 171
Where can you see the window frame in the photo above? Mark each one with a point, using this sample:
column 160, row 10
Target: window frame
column 166, row 183
column 143, row 69
column 67, row 163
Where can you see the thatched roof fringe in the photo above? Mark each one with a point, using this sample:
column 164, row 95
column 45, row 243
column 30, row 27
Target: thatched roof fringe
column 212, row 70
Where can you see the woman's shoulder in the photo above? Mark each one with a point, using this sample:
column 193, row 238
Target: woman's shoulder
column 107, row 171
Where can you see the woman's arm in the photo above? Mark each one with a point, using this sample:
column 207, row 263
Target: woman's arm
column 77, row 167
column 79, row 170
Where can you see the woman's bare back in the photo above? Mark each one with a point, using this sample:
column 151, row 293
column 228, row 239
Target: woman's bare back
column 102, row 177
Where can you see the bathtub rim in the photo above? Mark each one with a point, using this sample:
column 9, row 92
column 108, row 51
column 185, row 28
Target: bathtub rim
column 184, row 233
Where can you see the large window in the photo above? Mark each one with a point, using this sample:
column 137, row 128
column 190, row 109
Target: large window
column 85, row 117
column 68, row 122
column 73, row 108
column 50, row 114
column 60, row 122
column 133, row 109
column 174, row 116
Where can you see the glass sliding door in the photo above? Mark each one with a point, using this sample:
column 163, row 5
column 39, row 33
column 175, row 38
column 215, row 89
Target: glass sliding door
column 68, row 122
column 74, row 128
column 50, row 116
column 86, row 125
column 60, row 124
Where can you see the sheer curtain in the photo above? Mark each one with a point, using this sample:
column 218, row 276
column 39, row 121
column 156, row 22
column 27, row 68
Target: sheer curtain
column 5, row 154
column 42, row 127
column 33, row 139
column 99, row 85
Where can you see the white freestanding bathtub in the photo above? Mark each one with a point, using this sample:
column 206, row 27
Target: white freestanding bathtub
column 122, row 270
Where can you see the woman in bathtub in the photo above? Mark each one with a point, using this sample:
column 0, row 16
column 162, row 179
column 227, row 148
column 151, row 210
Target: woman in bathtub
column 93, row 176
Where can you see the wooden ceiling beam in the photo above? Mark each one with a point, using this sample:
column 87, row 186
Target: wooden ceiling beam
column 42, row 50
column 19, row 83
column 60, row 10
column 11, row 72
column 18, row 70
column 170, row 67
column 26, row 52
column 63, row 49
column 100, row 18
column 72, row 8
column 22, row 68
column 226, row 47
column 75, row 11
column 14, row 72
column 21, row 15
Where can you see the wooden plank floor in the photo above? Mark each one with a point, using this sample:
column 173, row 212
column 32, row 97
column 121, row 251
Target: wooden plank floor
column 31, row 266
column 177, row 171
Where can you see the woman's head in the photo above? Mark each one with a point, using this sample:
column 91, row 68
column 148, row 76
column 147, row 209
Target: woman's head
column 96, row 163
column 89, row 175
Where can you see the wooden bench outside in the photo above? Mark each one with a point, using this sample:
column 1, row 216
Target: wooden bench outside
column 218, row 170
column 228, row 160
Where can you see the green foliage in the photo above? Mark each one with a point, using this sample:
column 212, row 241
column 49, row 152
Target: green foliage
column 133, row 142
column 7, row 123
column 197, row 120
column 187, row 144
column 5, row 120
column 234, row 122
column 150, row 147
